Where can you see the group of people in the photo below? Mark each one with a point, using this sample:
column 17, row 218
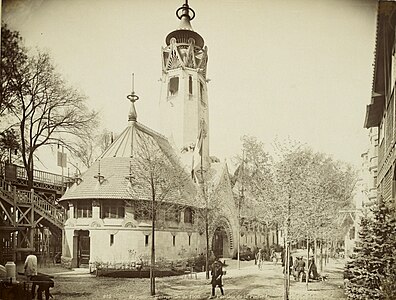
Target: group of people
column 297, row 268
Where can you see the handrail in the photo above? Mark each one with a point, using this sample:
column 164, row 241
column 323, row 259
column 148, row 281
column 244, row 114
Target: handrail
column 55, row 214
column 38, row 175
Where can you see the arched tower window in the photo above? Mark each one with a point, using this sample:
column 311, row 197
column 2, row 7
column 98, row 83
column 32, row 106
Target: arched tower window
column 173, row 86
column 188, row 215
column 190, row 84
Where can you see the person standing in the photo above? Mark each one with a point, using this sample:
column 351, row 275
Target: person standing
column 217, row 274
column 260, row 259
column 30, row 267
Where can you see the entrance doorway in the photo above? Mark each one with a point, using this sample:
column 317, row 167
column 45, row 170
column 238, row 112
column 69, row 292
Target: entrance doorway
column 220, row 242
column 82, row 242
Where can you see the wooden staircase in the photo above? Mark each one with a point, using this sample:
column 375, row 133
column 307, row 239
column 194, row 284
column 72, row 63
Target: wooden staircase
column 25, row 216
column 54, row 214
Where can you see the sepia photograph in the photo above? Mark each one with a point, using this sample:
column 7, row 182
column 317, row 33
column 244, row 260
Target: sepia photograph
column 191, row 149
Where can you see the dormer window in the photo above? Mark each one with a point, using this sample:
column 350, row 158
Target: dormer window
column 173, row 86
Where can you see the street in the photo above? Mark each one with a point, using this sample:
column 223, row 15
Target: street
column 246, row 283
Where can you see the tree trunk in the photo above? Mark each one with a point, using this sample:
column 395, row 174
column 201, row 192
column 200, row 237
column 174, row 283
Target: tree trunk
column 315, row 250
column 307, row 272
column 326, row 252
column 207, row 244
column 29, row 171
column 152, row 264
column 321, row 255
column 267, row 231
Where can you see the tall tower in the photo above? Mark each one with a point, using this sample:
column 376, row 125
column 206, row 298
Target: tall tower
column 184, row 98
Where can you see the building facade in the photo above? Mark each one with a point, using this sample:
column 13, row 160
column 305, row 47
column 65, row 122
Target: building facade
column 107, row 222
column 380, row 112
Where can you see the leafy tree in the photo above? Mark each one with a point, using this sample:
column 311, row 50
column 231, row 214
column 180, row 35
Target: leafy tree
column 13, row 58
column 8, row 142
column 371, row 273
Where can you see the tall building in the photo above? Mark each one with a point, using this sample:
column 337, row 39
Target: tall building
column 184, row 96
column 106, row 217
column 380, row 112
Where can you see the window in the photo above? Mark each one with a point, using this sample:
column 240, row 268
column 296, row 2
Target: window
column 83, row 210
column 352, row 233
column 113, row 210
column 173, row 240
column 146, row 240
column 188, row 215
column 173, row 215
column 382, row 130
column 173, row 86
column 142, row 212
column 190, row 83
column 189, row 240
column 111, row 239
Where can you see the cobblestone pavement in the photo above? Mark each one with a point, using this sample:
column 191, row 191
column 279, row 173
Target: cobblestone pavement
column 245, row 283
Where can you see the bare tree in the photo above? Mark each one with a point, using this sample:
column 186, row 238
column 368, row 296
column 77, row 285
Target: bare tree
column 87, row 150
column 49, row 112
column 159, row 177
column 209, row 211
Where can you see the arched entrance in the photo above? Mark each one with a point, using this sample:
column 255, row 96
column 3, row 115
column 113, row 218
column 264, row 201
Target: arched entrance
column 222, row 240
column 219, row 237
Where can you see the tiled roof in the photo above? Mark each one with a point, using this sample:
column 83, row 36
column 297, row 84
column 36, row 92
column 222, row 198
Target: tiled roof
column 108, row 177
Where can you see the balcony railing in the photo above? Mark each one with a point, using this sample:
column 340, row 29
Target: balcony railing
column 13, row 171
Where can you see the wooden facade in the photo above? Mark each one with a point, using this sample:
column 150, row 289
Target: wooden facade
column 381, row 111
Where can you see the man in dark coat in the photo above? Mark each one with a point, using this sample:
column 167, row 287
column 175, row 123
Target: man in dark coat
column 217, row 274
column 299, row 268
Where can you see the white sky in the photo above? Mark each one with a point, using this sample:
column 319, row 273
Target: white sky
column 286, row 68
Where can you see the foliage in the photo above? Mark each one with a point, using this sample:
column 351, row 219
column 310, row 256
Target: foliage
column 301, row 190
column 13, row 57
column 8, row 142
column 371, row 273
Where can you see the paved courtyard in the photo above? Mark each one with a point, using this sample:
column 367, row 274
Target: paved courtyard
column 245, row 283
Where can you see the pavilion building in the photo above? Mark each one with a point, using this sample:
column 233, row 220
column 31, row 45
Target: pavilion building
column 106, row 222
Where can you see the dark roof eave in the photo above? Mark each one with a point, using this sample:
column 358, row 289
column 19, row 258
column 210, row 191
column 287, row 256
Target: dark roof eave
column 374, row 112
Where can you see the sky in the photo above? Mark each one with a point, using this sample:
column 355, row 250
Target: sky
column 298, row 69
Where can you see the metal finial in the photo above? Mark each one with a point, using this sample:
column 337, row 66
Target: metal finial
column 133, row 98
column 184, row 11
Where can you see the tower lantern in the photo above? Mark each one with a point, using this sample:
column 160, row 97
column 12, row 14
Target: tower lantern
column 184, row 99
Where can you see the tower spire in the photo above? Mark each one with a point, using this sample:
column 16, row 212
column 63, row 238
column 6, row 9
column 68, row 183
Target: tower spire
column 185, row 32
column 132, row 116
